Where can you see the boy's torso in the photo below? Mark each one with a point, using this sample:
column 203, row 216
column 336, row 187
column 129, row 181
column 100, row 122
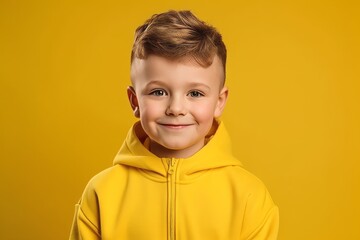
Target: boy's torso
column 134, row 204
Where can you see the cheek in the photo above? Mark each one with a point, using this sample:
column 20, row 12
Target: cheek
column 150, row 109
column 204, row 112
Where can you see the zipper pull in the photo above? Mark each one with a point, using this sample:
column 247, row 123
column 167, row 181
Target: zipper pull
column 172, row 162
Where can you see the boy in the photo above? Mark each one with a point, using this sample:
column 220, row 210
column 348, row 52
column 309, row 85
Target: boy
column 174, row 176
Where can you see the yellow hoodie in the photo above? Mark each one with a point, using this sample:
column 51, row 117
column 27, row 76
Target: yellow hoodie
column 204, row 197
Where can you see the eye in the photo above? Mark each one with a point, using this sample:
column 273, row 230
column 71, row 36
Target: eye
column 195, row 94
column 158, row 92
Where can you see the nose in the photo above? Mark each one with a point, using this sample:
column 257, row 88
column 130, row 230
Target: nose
column 176, row 106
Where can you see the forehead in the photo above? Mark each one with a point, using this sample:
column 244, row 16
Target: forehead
column 183, row 69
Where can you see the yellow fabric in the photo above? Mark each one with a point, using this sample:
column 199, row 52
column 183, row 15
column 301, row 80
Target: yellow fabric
column 207, row 196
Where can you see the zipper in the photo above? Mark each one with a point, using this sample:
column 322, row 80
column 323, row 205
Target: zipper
column 172, row 163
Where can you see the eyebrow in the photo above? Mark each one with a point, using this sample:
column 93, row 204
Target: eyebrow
column 155, row 82
column 196, row 85
column 192, row 85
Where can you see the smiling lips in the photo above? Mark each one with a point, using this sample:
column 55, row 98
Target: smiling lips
column 174, row 126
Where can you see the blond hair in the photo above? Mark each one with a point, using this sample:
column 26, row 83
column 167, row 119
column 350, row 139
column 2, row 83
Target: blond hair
column 177, row 35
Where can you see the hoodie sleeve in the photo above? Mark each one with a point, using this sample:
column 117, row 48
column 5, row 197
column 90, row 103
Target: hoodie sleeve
column 261, row 219
column 86, row 218
column 268, row 229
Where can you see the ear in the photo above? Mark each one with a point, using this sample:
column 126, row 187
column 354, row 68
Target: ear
column 223, row 95
column 133, row 101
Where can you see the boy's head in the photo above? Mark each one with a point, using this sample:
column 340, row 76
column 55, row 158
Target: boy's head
column 178, row 74
column 179, row 35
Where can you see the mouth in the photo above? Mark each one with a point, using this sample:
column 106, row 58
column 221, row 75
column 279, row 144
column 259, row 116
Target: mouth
column 174, row 126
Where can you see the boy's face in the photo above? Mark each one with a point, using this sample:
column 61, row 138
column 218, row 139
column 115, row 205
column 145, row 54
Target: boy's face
column 176, row 102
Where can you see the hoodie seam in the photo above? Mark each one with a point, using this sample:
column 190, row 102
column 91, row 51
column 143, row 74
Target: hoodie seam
column 94, row 228
column 267, row 215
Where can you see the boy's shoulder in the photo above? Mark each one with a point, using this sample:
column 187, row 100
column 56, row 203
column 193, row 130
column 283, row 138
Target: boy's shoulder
column 112, row 176
column 249, row 182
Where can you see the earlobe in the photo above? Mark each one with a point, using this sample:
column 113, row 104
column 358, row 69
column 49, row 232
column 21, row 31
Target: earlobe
column 133, row 101
column 221, row 102
column 136, row 112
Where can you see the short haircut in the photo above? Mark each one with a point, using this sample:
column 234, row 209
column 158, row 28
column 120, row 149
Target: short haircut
column 177, row 35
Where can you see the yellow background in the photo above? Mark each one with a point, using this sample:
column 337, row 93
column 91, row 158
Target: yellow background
column 293, row 112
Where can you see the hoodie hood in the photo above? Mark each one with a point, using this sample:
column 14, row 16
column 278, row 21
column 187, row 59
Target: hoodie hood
column 215, row 154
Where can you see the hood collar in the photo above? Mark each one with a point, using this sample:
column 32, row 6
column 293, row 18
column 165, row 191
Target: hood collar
column 215, row 154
